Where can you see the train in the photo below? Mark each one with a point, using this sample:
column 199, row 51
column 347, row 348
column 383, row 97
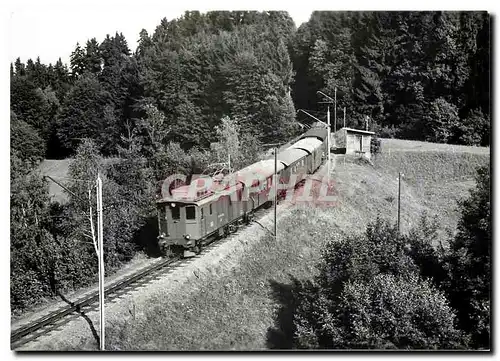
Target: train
column 190, row 216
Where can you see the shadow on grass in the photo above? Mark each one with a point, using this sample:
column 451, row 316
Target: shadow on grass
column 89, row 321
column 281, row 335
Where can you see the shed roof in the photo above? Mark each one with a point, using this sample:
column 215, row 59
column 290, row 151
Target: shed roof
column 308, row 144
column 291, row 155
column 352, row 130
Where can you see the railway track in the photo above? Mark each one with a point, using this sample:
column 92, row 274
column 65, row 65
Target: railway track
column 56, row 319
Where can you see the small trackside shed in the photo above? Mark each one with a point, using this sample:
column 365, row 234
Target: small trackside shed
column 355, row 141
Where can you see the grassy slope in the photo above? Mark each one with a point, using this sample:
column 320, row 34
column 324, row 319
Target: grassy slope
column 231, row 306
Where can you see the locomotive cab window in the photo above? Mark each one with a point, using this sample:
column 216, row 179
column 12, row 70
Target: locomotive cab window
column 210, row 208
column 190, row 212
column 176, row 212
column 202, row 214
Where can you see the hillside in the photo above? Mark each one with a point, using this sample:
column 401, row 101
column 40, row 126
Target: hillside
column 236, row 298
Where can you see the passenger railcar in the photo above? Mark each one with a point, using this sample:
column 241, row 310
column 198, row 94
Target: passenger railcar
column 192, row 215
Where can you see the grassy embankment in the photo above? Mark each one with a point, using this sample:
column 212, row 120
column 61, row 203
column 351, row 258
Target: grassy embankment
column 231, row 305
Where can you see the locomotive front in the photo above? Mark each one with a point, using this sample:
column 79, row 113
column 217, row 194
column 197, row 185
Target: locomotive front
column 178, row 227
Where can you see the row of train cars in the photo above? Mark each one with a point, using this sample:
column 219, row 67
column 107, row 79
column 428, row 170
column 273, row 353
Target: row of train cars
column 192, row 215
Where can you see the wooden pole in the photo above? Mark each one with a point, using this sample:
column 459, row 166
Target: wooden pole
column 101, row 261
column 399, row 202
column 275, row 193
column 335, row 112
column 328, row 142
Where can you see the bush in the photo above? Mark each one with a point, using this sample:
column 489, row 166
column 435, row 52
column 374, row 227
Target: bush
column 369, row 294
column 25, row 141
column 470, row 265
column 473, row 129
column 430, row 261
column 388, row 132
column 31, row 245
column 375, row 145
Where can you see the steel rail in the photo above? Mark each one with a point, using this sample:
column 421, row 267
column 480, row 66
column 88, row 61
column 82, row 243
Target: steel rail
column 86, row 301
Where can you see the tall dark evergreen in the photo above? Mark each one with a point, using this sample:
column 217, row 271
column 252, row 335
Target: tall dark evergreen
column 78, row 61
column 92, row 56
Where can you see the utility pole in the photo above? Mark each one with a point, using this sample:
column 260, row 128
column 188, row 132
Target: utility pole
column 275, row 181
column 399, row 202
column 99, row 247
column 344, row 117
column 335, row 112
column 328, row 142
column 328, row 126
column 229, row 162
column 101, row 260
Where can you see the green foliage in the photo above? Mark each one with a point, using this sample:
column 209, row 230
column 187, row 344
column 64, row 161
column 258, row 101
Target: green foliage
column 77, row 61
column 369, row 294
column 441, row 119
column 391, row 312
column 418, row 72
column 474, row 129
column 51, row 245
column 470, row 262
column 228, row 143
column 25, row 142
column 375, row 145
column 430, row 260
column 31, row 245
column 84, row 115
column 33, row 105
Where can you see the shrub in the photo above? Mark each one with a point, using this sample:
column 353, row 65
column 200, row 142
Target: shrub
column 375, row 145
column 474, row 129
column 470, row 265
column 369, row 294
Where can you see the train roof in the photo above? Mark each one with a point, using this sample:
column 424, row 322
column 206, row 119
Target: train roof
column 182, row 196
column 316, row 132
column 308, row 144
column 258, row 171
column 291, row 155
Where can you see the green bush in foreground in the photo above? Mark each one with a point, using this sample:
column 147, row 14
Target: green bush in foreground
column 369, row 294
column 470, row 265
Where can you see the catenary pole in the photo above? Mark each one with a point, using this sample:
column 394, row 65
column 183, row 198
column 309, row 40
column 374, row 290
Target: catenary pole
column 335, row 112
column 275, row 181
column 328, row 126
column 344, row 117
column 399, row 202
column 101, row 261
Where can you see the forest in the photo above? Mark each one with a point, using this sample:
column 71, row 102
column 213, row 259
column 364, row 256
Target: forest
column 205, row 85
